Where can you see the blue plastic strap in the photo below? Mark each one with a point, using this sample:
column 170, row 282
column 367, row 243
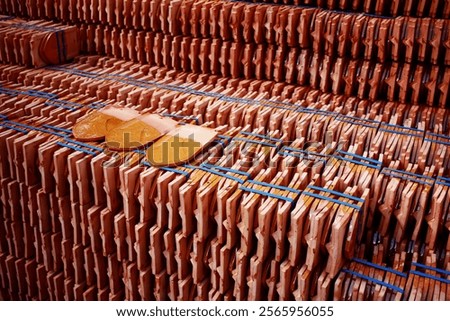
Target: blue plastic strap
column 181, row 116
column 145, row 163
column 280, row 187
column 332, row 11
column 439, row 135
column 321, row 189
column 36, row 128
column 230, row 170
column 380, row 267
column 25, row 26
column 40, row 94
column 99, row 149
column 65, row 130
column 371, row 160
column 254, row 141
column 403, row 127
column 23, row 131
column 368, row 278
column 139, row 151
column 77, row 148
column 302, row 157
column 355, row 123
column 62, row 104
column 333, row 200
column 409, row 179
column 96, row 105
column 9, row 91
column 407, row 174
column 3, row 116
column 432, row 277
column 228, row 138
column 358, row 162
column 220, row 142
column 151, row 84
column 443, row 181
column 399, row 133
column 209, row 170
column 261, row 136
column 437, row 141
column 256, row 191
column 431, row 268
column 309, row 110
column 302, row 151
column 177, row 171
column 360, row 119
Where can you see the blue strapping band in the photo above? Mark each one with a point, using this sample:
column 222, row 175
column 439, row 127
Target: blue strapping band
column 256, row 191
column 86, row 151
column 181, row 116
column 220, row 142
column 409, row 179
column 280, row 187
column 408, row 175
column 309, row 110
column 402, row 127
column 23, row 131
column 209, row 170
column 357, row 121
column 333, row 200
column 65, row 130
column 261, row 136
column 368, row 278
column 437, row 141
column 439, row 135
column 431, row 268
column 360, row 119
column 39, row 94
column 371, row 160
column 303, row 157
column 321, row 189
column 432, row 277
column 146, row 163
column 230, row 170
column 62, row 104
column 380, row 267
column 254, row 141
column 303, row 151
column 96, row 105
column 139, row 151
column 227, row 138
column 27, row 26
column 358, row 162
column 84, row 145
column 399, row 133
column 443, row 181
column 36, row 129
column 177, row 171
column 151, row 84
